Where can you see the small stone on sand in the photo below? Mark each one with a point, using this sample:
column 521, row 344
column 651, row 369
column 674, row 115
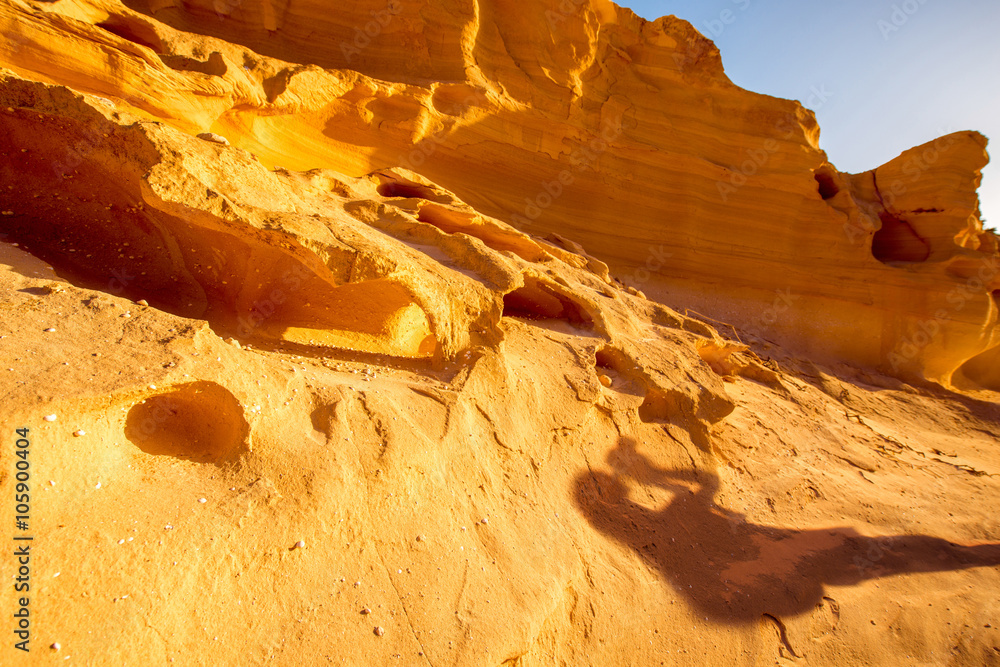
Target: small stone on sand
column 214, row 138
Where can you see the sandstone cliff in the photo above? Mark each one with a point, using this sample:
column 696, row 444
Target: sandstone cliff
column 547, row 342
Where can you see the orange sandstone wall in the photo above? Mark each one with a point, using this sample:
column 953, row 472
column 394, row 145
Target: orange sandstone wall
column 582, row 119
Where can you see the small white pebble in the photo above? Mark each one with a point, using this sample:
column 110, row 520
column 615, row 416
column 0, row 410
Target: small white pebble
column 152, row 386
column 79, row 433
column 121, row 541
column 56, row 575
column 214, row 138
column 49, row 418
column 98, row 485
column 203, row 500
column 485, row 521
column 168, row 527
column 50, row 330
column 300, row 544
column 56, row 646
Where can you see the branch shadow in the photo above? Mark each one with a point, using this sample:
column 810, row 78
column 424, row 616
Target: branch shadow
column 734, row 571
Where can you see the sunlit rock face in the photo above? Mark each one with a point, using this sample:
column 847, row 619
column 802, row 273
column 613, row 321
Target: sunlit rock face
column 577, row 118
column 479, row 333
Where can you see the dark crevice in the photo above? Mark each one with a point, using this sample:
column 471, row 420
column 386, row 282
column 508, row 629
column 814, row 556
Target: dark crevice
column 541, row 301
column 827, row 184
column 133, row 31
column 406, row 190
column 276, row 85
column 897, row 242
column 214, row 66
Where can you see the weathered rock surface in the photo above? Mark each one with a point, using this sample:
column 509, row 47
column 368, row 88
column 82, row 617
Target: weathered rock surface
column 577, row 118
column 347, row 328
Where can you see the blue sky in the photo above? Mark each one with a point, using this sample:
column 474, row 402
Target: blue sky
column 891, row 74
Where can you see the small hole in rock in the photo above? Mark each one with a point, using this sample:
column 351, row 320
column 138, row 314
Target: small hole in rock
column 200, row 421
column 827, row 185
column 408, row 191
column 897, row 242
column 539, row 301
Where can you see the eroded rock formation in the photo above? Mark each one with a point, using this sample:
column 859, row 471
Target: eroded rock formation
column 374, row 280
column 577, row 118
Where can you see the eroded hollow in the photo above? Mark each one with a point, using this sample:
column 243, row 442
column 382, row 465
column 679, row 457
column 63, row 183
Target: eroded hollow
column 538, row 300
column 133, row 31
column 200, row 422
column 828, row 187
column 215, row 65
column 452, row 222
column 405, row 190
column 981, row 371
column 896, row 242
column 91, row 222
column 613, row 359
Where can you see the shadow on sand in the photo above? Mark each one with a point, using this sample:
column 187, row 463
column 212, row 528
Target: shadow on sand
column 734, row 571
